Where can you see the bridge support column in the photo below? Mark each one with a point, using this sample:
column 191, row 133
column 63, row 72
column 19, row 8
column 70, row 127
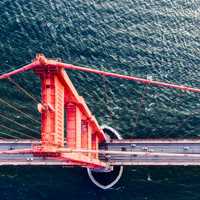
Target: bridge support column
column 89, row 141
column 95, row 145
column 73, row 126
column 52, row 109
column 84, row 134
column 59, row 95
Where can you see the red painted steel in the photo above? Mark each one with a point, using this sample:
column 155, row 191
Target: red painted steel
column 42, row 59
column 131, row 78
column 71, row 125
column 60, row 100
column 20, row 70
column 84, row 131
column 59, row 96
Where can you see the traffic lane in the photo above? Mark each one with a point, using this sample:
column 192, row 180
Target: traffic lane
column 166, row 147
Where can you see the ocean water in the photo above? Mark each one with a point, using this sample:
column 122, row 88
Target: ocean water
column 156, row 39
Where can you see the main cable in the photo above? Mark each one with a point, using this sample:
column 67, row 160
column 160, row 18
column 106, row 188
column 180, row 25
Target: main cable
column 131, row 78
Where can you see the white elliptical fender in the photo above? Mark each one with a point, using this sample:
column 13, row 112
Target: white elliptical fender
column 116, row 179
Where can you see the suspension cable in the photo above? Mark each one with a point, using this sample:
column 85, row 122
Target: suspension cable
column 15, row 131
column 20, row 70
column 131, row 78
column 20, row 111
column 15, row 122
column 5, row 72
column 23, row 90
column 43, row 60
column 12, row 136
column 11, row 68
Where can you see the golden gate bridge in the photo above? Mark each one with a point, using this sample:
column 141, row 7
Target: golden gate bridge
column 71, row 136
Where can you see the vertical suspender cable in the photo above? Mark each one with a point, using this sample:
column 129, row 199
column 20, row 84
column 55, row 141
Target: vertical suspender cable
column 23, row 90
column 15, row 122
column 20, row 111
column 15, row 131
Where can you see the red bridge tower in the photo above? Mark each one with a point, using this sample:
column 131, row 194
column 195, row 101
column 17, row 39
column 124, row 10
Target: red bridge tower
column 61, row 107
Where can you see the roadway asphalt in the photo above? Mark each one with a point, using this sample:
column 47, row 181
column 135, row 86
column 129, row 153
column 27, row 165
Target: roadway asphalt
column 124, row 152
column 155, row 152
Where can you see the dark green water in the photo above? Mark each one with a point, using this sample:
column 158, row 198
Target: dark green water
column 158, row 38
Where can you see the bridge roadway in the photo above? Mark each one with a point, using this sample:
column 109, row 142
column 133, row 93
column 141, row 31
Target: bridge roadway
column 23, row 159
column 153, row 152
column 120, row 152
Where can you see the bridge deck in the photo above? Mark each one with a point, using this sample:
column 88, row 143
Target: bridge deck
column 24, row 159
column 154, row 151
